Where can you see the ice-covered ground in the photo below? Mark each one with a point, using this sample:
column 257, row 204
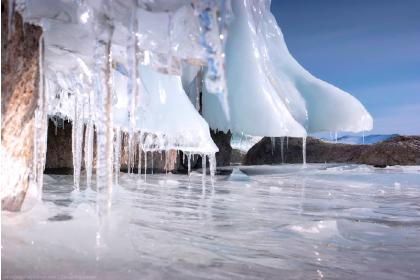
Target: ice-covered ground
column 265, row 222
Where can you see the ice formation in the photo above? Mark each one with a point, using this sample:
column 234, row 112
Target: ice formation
column 270, row 94
column 140, row 67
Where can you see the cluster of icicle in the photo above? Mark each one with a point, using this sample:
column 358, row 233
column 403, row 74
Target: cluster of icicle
column 114, row 70
column 139, row 67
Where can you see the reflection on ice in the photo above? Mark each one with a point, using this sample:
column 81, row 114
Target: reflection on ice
column 324, row 220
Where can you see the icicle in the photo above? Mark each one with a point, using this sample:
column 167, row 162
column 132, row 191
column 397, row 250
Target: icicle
column 189, row 163
column 282, row 149
column 336, row 137
column 152, row 154
column 166, row 162
column 287, row 143
column 139, row 166
column 363, row 137
column 89, row 152
column 10, row 18
column 145, row 165
column 131, row 89
column 103, row 91
column 41, row 125
column 77, row 137
column 304, row 150
column 109, row 123
column 117, row 153
column 212, row 163
column 203, row 163
column 273, row 144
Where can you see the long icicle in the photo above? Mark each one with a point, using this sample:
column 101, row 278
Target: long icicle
column 203, row 163
column 189, row 164
column 108, row 119
column 212, row 163
column 131, row 92
column 145, row 165
column 10, row 18
column 104, row 172
column 304, row 150
column 273, row 144
column 41, row 125
column 89, row 152
column 117, row 153
column 89, row 136
column 140, row 152
column 152, row 155
column 77, row 137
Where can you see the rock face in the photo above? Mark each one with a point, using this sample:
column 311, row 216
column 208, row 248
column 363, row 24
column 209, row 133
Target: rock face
column 237, row 157
column 400, row 150
column 60, row 158
column 222, row 141
column 59, row 154
column 19, row 95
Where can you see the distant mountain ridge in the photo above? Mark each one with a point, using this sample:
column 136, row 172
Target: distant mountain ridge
column 357, row 140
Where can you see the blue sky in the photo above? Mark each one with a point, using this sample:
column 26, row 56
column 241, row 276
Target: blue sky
column 369, row 48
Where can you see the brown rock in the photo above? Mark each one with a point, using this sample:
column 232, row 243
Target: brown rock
column 400, row 150
column 222, row 141
column 59, row 158
column 19, row 94
column 237, row 157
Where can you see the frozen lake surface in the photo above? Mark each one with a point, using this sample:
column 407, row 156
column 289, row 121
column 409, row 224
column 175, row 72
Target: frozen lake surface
column 261, row 222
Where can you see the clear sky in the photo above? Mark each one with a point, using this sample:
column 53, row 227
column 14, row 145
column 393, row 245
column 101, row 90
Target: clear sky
column 369, row 48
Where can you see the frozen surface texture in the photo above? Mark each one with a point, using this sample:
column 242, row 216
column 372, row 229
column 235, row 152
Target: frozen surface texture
column 265, row 222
